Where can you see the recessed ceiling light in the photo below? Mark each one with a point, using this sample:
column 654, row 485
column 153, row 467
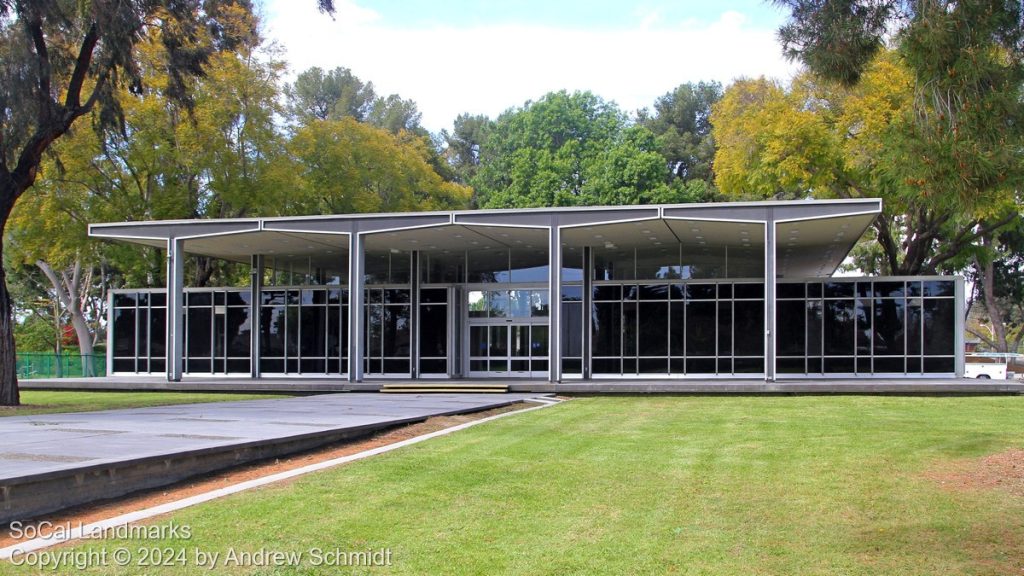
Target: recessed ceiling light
column 598, row 236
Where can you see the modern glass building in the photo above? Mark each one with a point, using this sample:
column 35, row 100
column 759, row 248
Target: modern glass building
column 730, row 290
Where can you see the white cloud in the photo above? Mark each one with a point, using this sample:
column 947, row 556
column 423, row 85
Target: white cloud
column 487, row 69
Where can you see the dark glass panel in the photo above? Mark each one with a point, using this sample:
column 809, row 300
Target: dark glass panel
column 725, row 365
column 629, row 329
column 126, row 300
column 884, row 365
column 814, row 290
column 653, row 324
column 539, row 365
column 701, row 366
column 236, row 298
column 219, row 339
column 654, row 292
column 397, row 296
column 914, row 288
column 500, row 365
column 310, row 297
column 914, row 328
column 520, row 335
column 700, row 291
column 218, row 298
column 572, row 329
column 607, row 329
column 889, row 290
column 198, row 330
column 374, row 329
column 629, row 365
column 271, row 366
column 374, row 296
column 272, row 297
column 748, row 365
column 864, row 290
column 272, row 322
column 864, row 365
column 631, row 292
column 814, row 366
column 396, row 366
column 676, row 291
column 334, row 366
column 606, row 365
column 291, row 335
column 888, row 328
column 124, row 364
column 939, row 288
column 791, row 324
column 788, row 290
column 572, row 293
column 375, row 267
column 440, row 268
column 607, row 293
column 498, row 342
column 656, row 263
column 158, row 299
column 478, row 365
column 198, row 365
column 940, row 327
column 478, row 340
column 677, row 325
column 914, row 365
column 572, row 265
column 677, row 366
column 396, row 331
column 433, row 366
column 933, row 365
column 124, row 332
column 725, row 291
column 839, row 327
column 334, row 296
column 313, row 366
column 238, row 366
column 344, row 331
column 486, row 266
column 748, row 331
column 725, row 328
column 334, row 328
column 434, row 296
column 157, row 331
column 314, row 331
column 653, row 366
column 839, row 365
column 519, row 365
column 143, row 302
column 375, row 366
column 238, row 329
column 614, row 264
column 814, row 340
column 572, row 366
column 863, row 315
column 790, row 366
column 434, row 330
column 198, row 299
column 400, row 271
column 839, row 289
column 700, row 328
column 292, row 297
column 157, row 365
column 748, row 290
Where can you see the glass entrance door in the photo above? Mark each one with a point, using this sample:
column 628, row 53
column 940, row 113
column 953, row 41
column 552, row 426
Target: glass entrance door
column 508, row 333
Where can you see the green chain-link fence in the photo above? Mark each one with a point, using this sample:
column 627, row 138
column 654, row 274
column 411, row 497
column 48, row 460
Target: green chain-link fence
column 49, row 365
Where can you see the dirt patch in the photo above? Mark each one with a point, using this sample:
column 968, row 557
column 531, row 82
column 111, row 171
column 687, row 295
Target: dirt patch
column 1000, row 471
column 89, row 513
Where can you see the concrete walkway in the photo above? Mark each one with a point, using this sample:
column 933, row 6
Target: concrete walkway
column 52, row 461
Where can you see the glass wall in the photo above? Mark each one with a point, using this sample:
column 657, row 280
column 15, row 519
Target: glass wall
column 304, row 330
column 388, row 313
column 139, row 331
column 678, row 328
column 217, row 331
column 866, row 326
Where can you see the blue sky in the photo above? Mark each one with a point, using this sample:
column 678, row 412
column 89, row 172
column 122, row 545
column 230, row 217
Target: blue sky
column 485, row 57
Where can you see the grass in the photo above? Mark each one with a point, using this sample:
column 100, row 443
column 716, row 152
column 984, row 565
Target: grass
column 651, row 485
column 47, row 401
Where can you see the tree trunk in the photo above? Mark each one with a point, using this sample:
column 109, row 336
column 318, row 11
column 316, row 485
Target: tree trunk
column 992, row 305
column 8, row 360
column 69, row 292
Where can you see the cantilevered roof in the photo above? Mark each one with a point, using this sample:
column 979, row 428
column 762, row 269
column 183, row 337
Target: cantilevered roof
column 812, row 236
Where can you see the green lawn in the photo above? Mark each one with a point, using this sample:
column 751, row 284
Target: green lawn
column 654, row 485
column 48, row 401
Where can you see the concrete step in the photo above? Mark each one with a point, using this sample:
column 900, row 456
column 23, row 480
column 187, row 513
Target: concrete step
column 442, row 390
column 446, row 387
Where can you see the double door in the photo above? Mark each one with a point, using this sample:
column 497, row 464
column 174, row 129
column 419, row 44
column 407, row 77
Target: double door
column 508, row 333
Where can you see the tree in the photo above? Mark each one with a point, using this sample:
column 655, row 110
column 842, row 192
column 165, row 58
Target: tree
column 334, row 95
column 998, row 282
column 681, row 121
column 60, row 61
column 822, row 139
column 463, row 144
column 344, row 166
column 557, row 152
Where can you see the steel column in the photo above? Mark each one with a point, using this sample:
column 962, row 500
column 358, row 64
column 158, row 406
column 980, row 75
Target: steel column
column 175, row 308
column 554, row 302
column 356, row 297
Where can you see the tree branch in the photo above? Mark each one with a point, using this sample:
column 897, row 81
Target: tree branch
column 82, row 63
column 35, row 31
column 953, row 248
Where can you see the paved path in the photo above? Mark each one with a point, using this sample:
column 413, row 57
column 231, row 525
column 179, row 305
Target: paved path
column 48, row 444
